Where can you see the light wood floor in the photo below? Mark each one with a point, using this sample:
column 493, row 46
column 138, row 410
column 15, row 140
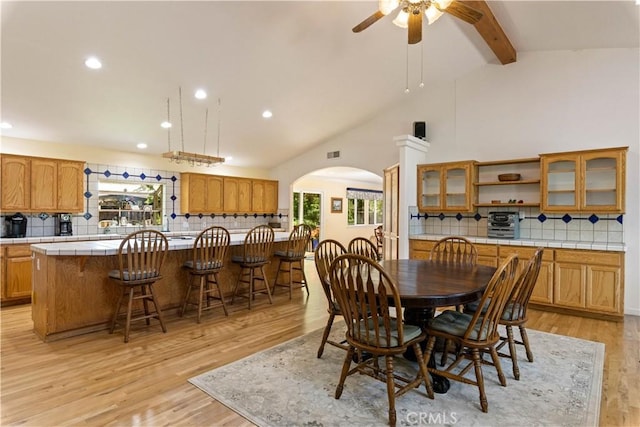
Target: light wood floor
column 98, row 380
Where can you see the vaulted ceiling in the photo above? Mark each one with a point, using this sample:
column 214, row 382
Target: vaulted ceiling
column 298, row 59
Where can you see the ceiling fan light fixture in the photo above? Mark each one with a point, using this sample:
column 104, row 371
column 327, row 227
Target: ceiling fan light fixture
column 433, row 13
column 402, row 20
column 387, row 6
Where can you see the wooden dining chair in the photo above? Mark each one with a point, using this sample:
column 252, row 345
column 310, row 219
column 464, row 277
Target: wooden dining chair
column 363, row 246
column 140, row 258
column 454, row 249
column 379, row 235
column 207, row 260
column 515, row 311
column 365, row 292
column 291, row 259
column 325, row 253
column 475, row 333
column 256, row 253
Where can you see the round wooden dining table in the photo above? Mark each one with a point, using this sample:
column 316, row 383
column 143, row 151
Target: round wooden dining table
column 426, row 285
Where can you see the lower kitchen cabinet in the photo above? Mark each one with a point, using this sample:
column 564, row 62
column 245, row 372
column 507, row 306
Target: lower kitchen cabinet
column 543, row 290
column 421, row 249
column 580, row 282
column 16, row 274
column 589, row 280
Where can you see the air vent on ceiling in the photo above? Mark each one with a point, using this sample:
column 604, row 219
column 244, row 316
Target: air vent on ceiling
column 333, row 154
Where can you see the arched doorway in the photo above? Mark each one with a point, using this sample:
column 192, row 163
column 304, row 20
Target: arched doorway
column 312, row 196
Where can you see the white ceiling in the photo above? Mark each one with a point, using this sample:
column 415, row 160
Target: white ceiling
column 297, row 58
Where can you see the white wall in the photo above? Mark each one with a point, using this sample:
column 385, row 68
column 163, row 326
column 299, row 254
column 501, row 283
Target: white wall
column 545, row 102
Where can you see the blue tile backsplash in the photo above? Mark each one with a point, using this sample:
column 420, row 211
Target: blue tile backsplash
column 587, row 228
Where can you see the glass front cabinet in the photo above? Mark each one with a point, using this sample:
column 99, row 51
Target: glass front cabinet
column 445, row 187
column 585, row 181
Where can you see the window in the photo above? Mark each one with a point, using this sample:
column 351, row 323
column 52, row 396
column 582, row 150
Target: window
column 364, row 207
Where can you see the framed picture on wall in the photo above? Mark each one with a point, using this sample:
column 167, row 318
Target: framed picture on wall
column 336, row 205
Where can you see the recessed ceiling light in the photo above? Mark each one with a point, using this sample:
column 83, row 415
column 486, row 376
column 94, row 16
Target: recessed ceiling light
column 93, row 63
column 267, row 114
column 141, row 145
column 201, row 94
column 165, row 125
column 5, row 125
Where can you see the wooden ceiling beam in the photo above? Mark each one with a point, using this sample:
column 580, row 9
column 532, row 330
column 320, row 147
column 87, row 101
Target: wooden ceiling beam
column 492, row 33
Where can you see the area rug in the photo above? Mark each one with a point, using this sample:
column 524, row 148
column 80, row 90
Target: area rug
column 288, row 386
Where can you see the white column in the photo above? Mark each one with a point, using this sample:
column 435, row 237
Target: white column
column 413, row 151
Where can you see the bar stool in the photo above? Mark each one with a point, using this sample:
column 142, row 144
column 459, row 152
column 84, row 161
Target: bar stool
column 208, row 256
column 256, row 253
column 140, row 258
column 292, row 259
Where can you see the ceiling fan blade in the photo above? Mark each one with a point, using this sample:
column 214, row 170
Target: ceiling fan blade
column 367, row 22
column 415, row 28
column 464, row 12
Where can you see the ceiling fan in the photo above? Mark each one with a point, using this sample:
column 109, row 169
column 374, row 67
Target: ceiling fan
column 410, row 15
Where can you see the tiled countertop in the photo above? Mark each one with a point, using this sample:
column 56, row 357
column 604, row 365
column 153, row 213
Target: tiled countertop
column 109, row 243
column 594, row 246
column 107, row 236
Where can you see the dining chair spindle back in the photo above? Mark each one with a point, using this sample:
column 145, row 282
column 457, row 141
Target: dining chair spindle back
column 475, row 333
column 365, row 294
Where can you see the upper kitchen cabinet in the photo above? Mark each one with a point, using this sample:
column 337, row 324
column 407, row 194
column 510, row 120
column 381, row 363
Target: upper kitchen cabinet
column 34, row 184
column 446, row 187
column 237, row 194
column 264, row 196
column 70, row 189
column 16, row 183
column 207, row 194
column 201, row 193
column 585, row 181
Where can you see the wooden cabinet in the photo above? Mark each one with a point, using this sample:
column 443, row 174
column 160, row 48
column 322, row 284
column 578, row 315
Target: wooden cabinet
column 585, row 181
column 446, row 187
column 207, row 194
column 237, row 195
column 491, row 192
column 16, row 274
column 35, row 184
column 70, row 188
column 16, row 183
column 581, row 282
column 201, row 193
column 421, row 249
column 264, row 196
column 543, row 290
column 589, row 280
column 44, row 188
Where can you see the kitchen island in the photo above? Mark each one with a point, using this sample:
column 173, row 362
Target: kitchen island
column 73, row 295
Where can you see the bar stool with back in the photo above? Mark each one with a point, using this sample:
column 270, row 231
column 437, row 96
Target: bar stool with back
column 256, row 253
column 140, row 258
column 292, row 259
column 208, row 258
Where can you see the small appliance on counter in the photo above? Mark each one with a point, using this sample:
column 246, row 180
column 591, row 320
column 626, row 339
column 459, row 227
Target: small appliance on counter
column 16, row 225
column 63, row 225
column 505, row 225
